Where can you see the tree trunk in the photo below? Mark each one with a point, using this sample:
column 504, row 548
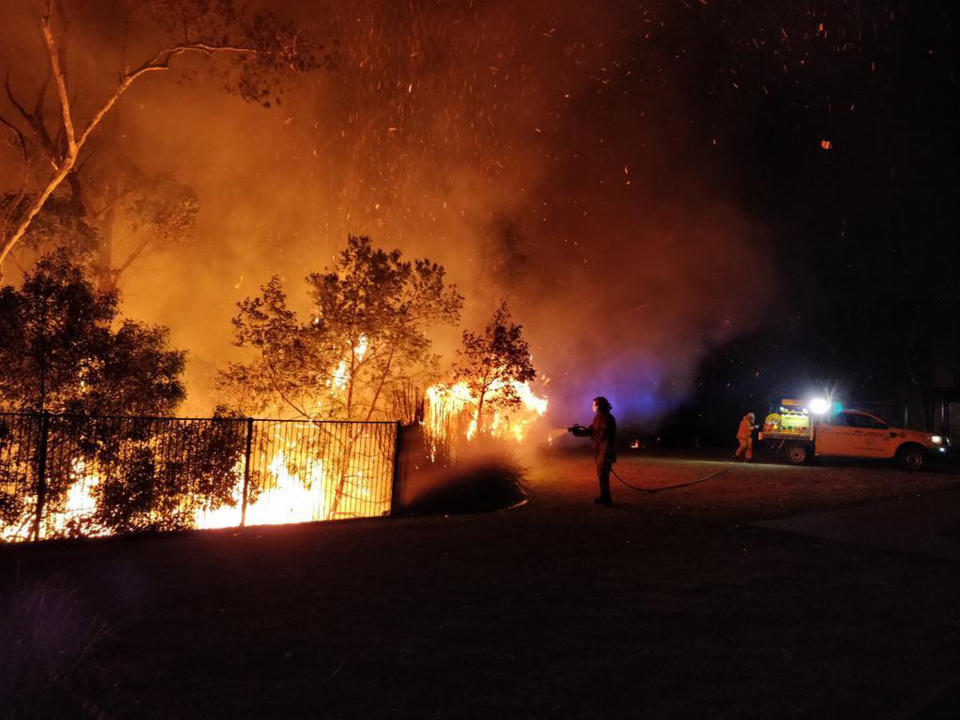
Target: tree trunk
column 483, row 394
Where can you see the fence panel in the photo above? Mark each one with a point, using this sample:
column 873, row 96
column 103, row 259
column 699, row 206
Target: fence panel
column 71, row 476
column 19, row 446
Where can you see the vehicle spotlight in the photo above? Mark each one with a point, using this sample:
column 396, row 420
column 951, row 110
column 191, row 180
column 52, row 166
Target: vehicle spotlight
column 936, row 439
column 818, row 406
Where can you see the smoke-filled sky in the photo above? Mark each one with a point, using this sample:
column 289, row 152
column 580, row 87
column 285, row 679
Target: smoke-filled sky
column 585, row 161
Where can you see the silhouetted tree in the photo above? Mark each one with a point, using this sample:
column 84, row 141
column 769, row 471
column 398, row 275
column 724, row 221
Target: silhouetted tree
column 367, row 334
column 492, row 361
column 64, row 349
column 366, row 337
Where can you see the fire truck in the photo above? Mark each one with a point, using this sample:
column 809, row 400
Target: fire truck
column 801, row 430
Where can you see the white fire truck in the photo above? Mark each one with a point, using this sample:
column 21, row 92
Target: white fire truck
column 801, row 430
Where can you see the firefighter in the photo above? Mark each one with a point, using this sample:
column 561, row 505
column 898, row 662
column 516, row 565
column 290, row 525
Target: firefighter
column 745, row 437
column 603, row 431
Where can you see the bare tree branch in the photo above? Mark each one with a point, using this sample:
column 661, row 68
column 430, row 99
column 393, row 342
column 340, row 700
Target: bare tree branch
column 61, row 80
column 159, row 62
column 133, row 256
column 35, row 120
column 21, row 140
column 74, row 144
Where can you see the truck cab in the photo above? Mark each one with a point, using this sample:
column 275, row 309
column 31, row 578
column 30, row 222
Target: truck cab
column 802, row 434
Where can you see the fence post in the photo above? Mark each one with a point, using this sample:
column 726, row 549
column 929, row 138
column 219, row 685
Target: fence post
column 246, row 472
column 41, row 473
column 395, row 496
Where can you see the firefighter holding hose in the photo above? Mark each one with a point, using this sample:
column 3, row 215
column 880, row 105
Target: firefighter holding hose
column 603, row 431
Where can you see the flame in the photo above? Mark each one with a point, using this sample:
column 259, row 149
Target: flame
column 290, row 492
column 360, row 349
column 80, row 502
column 340, row 375
column 78, row 510
column 288, row 497
column 448, row 405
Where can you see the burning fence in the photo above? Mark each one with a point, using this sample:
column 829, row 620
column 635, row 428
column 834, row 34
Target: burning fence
column 73, row 476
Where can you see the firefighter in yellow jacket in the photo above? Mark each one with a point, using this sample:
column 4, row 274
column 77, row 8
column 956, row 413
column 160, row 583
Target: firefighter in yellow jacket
column 745, row 437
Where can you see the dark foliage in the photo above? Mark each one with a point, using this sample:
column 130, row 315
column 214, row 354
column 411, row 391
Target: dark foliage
column 64, row 350
column 161, row 475
column 366, row 339
column 482, row 485
column 60, row 351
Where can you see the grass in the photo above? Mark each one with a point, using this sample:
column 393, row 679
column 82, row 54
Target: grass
column 669, row 604
column 46, row 637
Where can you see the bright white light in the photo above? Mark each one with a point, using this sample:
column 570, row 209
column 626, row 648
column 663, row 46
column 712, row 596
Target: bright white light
column 936, row 439
column 818, row 406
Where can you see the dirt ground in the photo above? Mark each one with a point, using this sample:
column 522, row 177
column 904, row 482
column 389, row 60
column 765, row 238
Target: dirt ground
column 671, row 604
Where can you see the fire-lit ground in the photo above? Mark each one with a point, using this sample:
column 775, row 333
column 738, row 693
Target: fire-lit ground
column 672, row 604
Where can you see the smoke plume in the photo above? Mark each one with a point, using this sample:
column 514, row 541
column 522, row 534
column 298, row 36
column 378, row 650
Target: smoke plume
column 542, row 151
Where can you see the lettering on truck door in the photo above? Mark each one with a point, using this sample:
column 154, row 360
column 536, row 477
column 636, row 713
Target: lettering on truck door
column 874, row 439
column 851, row 434
column 834, row 437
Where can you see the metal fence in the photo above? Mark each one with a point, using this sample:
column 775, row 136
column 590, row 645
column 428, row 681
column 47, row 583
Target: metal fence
column 76, row 476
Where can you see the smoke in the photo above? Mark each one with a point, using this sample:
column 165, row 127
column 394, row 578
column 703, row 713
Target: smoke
column 543, row 153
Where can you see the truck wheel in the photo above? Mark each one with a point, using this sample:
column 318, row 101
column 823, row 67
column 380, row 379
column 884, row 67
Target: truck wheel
column 912, row 457
column 797, row 454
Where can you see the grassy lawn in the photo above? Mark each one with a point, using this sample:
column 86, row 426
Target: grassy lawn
column 669, row 604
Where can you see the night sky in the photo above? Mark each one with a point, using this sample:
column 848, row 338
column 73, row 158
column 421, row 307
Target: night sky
column 689, row 204
column 863, row 231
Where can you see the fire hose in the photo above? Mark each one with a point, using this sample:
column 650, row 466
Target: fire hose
column 578, row 429
column 668, row 487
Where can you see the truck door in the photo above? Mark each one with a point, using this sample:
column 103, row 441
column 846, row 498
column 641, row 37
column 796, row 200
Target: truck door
column 836, row 436
column 873, row 438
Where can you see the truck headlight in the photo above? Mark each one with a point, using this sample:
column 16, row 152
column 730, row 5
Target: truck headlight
column 936, row 440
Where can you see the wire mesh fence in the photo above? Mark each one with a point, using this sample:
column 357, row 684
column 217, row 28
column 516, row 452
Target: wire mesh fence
column 77, row 476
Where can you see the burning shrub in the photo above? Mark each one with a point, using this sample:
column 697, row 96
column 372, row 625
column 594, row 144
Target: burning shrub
column 495, row 364
column 162, row 475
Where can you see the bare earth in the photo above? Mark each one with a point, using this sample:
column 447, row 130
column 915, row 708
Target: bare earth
column 671, row 604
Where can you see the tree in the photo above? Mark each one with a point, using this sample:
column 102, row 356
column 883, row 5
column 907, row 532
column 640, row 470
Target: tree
column 366, row 338
column 156, row 209
column 61, row 224
column 368, row 333
column 262, row 51
column 491, row 362
column 63, row 349
column 292, row 360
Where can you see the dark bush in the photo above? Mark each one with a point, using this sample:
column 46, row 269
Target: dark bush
column 479, row 485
